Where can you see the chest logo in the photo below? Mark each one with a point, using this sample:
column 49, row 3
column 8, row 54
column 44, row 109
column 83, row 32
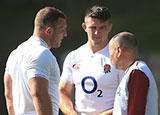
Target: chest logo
column 76, row 66
column 107, row 68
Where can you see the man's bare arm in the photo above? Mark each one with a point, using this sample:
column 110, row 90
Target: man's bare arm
column 66, row 105
column 40, row 95
column 8, row 94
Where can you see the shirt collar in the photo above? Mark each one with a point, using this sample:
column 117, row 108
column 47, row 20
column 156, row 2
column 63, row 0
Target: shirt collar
column 104, row 51
column 40, row 40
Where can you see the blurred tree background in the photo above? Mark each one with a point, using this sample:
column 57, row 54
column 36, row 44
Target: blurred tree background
column 137, row 16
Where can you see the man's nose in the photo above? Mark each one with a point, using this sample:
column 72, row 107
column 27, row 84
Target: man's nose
column 96, row 32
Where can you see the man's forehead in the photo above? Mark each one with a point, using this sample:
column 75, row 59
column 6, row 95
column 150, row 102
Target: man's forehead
column 95, row 21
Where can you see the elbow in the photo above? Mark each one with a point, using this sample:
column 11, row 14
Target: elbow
column 38, row 94
column 62, row 91
column 8, row 95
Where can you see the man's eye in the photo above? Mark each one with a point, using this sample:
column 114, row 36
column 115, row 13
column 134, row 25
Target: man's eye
column 93, row 28
column 103, row 27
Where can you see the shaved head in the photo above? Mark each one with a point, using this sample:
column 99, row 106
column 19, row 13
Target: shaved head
column 123, row 49
column 126, row 41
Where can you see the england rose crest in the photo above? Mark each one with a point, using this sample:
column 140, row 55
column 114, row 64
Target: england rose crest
column 107, row 68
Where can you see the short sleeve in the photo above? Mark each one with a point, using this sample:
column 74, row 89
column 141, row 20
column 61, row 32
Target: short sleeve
column 39, row 64
column 67, row 69
column 138, row 85
column 10, row 62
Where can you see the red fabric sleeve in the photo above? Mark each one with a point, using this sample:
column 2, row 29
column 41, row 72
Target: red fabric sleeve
column 138, row 85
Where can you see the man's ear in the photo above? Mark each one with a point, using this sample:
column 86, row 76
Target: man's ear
column 110, row 27
column 48, row 30
column 84, row 26
column 119, row 51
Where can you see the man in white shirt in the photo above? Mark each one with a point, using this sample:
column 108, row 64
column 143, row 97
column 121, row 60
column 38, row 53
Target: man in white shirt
column 137, row 93
column 32, row 73
column 90, row 70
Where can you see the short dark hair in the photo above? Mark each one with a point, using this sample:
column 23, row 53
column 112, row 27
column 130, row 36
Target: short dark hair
column 48, row 16
column 99, row 12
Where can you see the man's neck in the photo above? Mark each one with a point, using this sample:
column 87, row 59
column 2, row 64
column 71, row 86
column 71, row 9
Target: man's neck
column 95, row 48
column 42, row 36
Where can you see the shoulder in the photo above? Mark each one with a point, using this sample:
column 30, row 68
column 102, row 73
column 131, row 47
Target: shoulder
column 77, row 53
column 80, row 50
column 12, row 56
column 13, row 53
column 40, row 55
column 141, row 66
column 41, row 51
column 138, row 72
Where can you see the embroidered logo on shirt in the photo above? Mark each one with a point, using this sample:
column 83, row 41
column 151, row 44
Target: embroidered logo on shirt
column 107, row 68
column 76, row 66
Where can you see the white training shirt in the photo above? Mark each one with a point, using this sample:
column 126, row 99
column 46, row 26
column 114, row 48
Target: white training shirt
column 32, row 58
column 122, row 95
column 95, row 86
